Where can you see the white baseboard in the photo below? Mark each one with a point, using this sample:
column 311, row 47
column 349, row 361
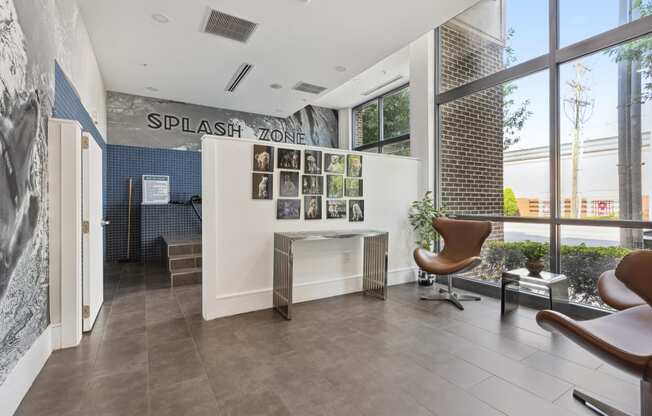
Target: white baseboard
column 255, row 300
column 24, row 373
column 55, row 330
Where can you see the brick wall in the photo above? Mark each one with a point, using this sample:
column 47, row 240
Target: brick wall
column 471, row 127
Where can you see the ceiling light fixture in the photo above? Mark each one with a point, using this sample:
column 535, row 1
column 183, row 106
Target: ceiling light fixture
column 275, row 86
column 160, row 18
column 340, row 68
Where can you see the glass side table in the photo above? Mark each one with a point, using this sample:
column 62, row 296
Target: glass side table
column 554, row 285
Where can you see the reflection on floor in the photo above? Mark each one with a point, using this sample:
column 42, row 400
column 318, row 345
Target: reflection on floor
column 151, row 353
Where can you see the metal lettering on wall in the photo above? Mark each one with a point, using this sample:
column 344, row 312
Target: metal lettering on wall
column 156, row 121
column 150, row 122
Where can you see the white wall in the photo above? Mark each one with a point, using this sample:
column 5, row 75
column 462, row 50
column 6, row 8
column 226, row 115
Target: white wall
column 422, row 108
column 238, row 231
column 76, row 56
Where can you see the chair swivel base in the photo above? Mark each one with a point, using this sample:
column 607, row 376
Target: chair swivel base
column 599, row 407
column 452, row 297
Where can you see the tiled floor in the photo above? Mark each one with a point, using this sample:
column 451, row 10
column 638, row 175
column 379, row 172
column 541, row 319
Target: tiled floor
column 152, row 354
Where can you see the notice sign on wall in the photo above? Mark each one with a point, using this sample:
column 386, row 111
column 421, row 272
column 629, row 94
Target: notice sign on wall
column 156, row 190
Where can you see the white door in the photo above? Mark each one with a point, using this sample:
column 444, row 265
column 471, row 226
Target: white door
column 92, row 232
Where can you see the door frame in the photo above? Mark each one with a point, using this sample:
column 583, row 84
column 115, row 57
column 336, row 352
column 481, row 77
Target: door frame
column 65, row 245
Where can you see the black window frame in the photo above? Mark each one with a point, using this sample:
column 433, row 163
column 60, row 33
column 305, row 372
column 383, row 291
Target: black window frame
column 381, row 130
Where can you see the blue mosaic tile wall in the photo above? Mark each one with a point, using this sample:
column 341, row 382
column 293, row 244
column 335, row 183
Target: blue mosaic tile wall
column 148, row 222
column 68, row 106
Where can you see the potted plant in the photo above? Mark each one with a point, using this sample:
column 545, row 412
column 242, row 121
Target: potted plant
column 534, row 253
column 422, row 212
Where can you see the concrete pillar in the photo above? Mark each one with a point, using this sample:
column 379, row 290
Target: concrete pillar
column 344, row 121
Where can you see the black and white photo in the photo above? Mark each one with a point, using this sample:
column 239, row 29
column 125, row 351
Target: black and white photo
column 354, row 166
column 288, row 183
column 335, row 209
column 262, row 185
column 334, row 163
column 353, row 188
column 312, row 185
column 312, row 162
column 356, row 210
column 312, row 207
column 288, row 209
column 263, row 160
column 289, row 159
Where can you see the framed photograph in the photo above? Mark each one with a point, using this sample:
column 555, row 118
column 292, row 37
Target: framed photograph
column 334, row 186
column 288, row 159
column 334, row 163
column 356, row 210
column 353, row 187
column 288, row 184
column 288, row 209
column 312, row 162
column 312, row 207
column 354, row 166
column 262, row 185
column 312, row 185
column 335, row 209
column 263, row 158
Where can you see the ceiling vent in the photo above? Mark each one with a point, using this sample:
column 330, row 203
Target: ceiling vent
column 227, row 26
column 239, row 75
column 383, row 85
column 309, row 88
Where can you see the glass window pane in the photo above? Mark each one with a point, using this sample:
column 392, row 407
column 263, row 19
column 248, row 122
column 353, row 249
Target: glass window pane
column 366, row 124
column 581, row 19
column 587, row 252
column 396, row 114
column 606, row 119
column 494, row 150
column 401, row 148
column 490, row 37
column 504, row 249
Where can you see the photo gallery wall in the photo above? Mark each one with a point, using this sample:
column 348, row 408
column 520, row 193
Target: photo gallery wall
column 308, row 176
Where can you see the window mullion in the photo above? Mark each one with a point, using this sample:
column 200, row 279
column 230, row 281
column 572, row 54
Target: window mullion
column 554, row 128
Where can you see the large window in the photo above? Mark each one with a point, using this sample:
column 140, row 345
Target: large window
column 382, row 125
column 552, row 146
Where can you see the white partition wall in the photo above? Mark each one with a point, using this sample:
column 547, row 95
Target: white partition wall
column 238, row 231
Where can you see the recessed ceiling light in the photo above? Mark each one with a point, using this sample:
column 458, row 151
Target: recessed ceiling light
column 276, row 86
column 160, row 18
column 152, row 89
column 340, row 68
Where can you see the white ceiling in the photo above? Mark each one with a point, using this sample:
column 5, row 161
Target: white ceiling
column 295, row 41
column 352, row 92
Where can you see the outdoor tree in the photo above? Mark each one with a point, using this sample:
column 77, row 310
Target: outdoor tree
column 578, row 107
column 514, row 115
column 634, row 61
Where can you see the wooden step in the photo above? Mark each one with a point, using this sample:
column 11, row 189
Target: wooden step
column 189, row 276
column 184, row 261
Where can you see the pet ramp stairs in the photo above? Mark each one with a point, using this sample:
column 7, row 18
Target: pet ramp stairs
column 182, row 258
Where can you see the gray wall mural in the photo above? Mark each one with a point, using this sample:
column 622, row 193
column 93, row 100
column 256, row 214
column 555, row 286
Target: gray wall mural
column 26, row 91
column 150, row 122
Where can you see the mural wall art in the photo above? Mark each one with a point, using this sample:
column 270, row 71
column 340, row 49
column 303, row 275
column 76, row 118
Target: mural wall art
column 26, row 91
column 150, row 122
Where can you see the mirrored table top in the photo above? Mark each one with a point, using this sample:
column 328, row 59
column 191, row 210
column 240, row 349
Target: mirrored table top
column 331, row 234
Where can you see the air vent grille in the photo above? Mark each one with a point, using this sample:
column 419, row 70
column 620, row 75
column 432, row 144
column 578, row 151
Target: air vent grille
column 231, row 27
column 239, row 75
column 309, row 88
column 383, row 85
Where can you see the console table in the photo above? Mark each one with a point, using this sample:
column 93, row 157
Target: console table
column 374, row 277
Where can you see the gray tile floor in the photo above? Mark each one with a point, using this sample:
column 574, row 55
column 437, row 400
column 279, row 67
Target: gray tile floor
column 152, row 354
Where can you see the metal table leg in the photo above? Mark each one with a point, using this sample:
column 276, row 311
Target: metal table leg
column 375, row 263
column 282, row 286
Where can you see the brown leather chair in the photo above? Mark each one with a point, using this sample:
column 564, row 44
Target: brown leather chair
column 615, row 294
column 463, row 241
column 622, row 339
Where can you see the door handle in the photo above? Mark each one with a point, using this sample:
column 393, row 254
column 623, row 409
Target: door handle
column 104, row 223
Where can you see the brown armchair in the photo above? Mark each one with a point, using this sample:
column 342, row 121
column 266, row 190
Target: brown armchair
column 463, row 241
column 622, row 339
